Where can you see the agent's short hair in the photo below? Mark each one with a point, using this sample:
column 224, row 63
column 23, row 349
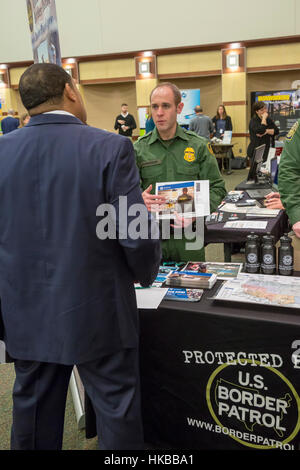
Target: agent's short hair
column 174, row 88
column 42, row 83
column 124, row 104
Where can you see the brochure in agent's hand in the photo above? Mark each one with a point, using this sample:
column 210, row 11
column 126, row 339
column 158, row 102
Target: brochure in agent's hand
column 185, row 295
column 188, row 198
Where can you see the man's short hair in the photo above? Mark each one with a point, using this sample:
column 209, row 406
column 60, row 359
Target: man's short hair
column 124, row 104
column 174, row 88
column 42, row 83
column 198, row 109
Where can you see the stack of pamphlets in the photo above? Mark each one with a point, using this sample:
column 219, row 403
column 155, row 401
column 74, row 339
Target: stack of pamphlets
column 191, row 279
column 163, row 273
column 222, row 270
column 186, row 295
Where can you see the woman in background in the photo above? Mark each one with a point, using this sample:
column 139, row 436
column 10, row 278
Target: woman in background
column 262, row 130
column 222, row 123
column 149, row 123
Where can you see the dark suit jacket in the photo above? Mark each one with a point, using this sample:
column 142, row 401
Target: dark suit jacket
column 66, row 295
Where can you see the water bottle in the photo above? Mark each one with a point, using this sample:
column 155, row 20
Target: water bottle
column 252, row 254
column 285, row 256
column 268, row 255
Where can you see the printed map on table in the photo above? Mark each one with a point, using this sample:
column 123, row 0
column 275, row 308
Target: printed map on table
column 262, row 289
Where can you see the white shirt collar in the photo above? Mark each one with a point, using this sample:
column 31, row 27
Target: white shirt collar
column 124, row 115
column 59, row 111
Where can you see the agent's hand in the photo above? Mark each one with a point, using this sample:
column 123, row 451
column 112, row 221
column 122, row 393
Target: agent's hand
column 272, row 195
column 120, row 121
column 296, row 229
column 270, row 131
column 273, row 201
column 153, row 202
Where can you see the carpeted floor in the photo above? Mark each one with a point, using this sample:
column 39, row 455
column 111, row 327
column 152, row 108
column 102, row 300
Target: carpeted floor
column 74, row 439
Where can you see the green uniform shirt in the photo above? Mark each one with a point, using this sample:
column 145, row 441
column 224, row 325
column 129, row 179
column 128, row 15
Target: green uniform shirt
column 186, row 157
column 289, row 174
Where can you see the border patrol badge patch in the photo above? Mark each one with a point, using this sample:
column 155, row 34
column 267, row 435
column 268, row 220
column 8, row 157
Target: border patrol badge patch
column 189, row 154
column 292, row 131
column 209, row 147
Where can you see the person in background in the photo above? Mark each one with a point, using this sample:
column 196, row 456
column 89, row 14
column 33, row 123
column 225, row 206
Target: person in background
column 262, row 130
column 67, row 292
column 25, row 118
column 201, row 124
column 149, row 126
column 9, row 123
column 125, row 122
column 221, row 122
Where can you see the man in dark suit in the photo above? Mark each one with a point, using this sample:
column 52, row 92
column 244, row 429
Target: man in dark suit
column 66, row 286
column 9, row 123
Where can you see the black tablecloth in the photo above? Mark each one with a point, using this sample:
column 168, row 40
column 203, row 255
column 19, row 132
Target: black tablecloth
column 216, row 233
column 181, row 394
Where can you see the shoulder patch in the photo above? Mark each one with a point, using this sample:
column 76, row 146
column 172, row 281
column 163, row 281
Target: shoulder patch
column 292, row 131
column 209, row 147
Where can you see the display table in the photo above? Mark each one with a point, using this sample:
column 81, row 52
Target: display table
column 216, row 233
column 223, row 151
column 219, row 375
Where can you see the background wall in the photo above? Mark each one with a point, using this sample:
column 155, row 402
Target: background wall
column 99, row 26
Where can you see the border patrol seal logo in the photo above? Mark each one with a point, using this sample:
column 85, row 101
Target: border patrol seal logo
column 292, row 131
column 189, row 154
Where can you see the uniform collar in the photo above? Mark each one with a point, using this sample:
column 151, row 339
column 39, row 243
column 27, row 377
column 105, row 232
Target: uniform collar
column 180, row 133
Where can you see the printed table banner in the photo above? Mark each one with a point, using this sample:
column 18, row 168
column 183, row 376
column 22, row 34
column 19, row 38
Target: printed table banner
column 44, row 31
column 216, row 382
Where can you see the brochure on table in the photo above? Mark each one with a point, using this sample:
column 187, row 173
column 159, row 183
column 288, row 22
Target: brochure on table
column 188, row 198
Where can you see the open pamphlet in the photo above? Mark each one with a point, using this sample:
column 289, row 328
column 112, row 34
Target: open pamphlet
column 188, row 198
column 263, row 289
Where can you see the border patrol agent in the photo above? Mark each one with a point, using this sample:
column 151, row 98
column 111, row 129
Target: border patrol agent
column 171, row 153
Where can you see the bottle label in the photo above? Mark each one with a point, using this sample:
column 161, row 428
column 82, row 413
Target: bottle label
column 287, row 260
column 252, row 258
column 268, row 259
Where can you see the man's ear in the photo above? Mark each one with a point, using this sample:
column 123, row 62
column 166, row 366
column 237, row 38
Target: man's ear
column 70, row 93
column 180, row 107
